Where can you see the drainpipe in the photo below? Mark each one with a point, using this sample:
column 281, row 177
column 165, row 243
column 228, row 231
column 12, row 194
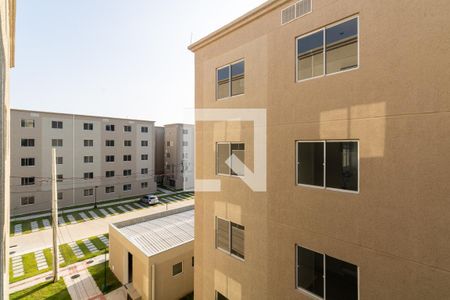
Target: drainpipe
column 153, row 282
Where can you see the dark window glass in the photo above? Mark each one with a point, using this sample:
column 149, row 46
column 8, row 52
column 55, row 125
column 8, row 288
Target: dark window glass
column 237, row 78
column 310, row 56
column 88, row 126
column 223, row 82
column 144, row 129
column 27, row 142
column 57, row 124
column 342, row 46
column 177, row 268
column 237, row 240
column 310, row 163
column 239, row 151
column 342, row 165
column 341, row 279
column 310, row 271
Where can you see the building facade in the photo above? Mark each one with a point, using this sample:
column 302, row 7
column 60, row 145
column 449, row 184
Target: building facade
column 357, row 108
column 7, row 45
column 98, row 159
column 153, row 256
column 179, row 156
column 159, row 154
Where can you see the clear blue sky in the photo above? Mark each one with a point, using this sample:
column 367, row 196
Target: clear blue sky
column 113, row 58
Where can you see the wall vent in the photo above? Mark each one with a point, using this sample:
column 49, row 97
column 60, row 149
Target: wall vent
column 295, row 11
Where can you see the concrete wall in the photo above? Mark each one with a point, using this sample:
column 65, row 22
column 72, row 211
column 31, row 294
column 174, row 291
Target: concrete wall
column 7, row 25
column 396, row 105
column 73, row 152
column 159, row 151
column 166, row 286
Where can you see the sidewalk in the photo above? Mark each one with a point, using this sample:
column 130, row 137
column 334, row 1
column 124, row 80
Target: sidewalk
column 66, row 271
column 81, row 285
column 70, row 233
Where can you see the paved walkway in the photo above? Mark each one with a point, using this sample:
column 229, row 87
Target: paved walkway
column 66, row 271
column 70, row 233
column 81, row 285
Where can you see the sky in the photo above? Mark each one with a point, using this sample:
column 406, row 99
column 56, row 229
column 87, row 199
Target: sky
column 113, row 58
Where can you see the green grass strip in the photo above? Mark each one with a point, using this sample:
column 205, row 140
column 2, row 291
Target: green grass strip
column 98, row 273
column 46, row 290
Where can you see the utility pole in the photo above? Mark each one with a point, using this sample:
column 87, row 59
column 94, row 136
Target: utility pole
column 55, row 218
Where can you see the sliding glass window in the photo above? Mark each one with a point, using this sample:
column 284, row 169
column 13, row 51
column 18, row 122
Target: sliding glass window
column 230, row 80
column 310, row 56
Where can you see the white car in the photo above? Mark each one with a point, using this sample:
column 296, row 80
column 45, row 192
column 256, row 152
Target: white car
column 150, row 199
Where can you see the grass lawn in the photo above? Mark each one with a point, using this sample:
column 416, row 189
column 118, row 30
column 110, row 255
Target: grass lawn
column 29, row 267
column 98, row 273
column 46, row 290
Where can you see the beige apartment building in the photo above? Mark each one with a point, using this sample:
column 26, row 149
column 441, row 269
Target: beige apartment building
column 7, row 47
column 153, row 256
column 98, row 159
column 159, row 154
column 357, row 106
column 179, row 156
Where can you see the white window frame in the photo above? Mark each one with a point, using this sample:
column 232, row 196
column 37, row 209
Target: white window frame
column 229, row 88
column 324, row 187
column 324, row 28
column 324, row 255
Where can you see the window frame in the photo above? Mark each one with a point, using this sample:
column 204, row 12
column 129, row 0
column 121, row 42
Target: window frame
column 182, row 268
column 324, row 255
column 55, row 124
column 231, row 168
column 216, row 218
column 230, row 96
column 27, row 161
column 127, row 185
column 324, row 187
column 27, row 200
column 324, row 28
column 24, row 122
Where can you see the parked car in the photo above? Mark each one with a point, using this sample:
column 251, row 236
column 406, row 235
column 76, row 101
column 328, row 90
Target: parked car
column 150, row 199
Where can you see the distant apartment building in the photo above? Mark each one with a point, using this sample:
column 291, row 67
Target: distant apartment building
column 357, row 106
column 7, row 50
column 159, row 154
column 179, row 156
column 97, row 158
column 153, row 256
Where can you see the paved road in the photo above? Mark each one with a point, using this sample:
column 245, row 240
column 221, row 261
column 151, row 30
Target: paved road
column 70, row 233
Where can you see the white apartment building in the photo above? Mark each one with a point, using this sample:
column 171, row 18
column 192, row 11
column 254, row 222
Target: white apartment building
column 98, row 159
column 179, row 156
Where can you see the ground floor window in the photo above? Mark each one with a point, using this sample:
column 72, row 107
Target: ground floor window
column 177, row 268
column 27, row 200
column 325, row 276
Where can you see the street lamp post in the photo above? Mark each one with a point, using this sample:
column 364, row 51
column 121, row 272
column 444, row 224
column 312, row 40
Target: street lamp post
column 95, row 196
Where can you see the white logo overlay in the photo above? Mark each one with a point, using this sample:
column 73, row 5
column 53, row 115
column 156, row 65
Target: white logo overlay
column 256, row 180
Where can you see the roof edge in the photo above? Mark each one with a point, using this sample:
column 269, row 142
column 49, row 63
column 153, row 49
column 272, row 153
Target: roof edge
column 237, row 23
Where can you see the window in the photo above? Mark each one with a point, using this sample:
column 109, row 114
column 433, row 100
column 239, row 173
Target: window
column 237, row 240
column 144, row 129
column 328, row 164
column 168, row 143
column 144, row 185
column 185, row 131
column 88, row 126
column 109, row 189
column 177, row 269
column 224, row 152
column 27, row 142
column 59, row 178
column 57, row 142
column 329, row 50
column 230, row 80
column 144, row 157
column 59, row 160
column 109, row 143
column 144, row 171
column 317, row 273
column 230, row 237
column 28, row 180
column 57, row 124
column 27, row 123
column 126, row 172
column 192, row 261
column 110, row 127
column 109, row 173
column 109, row 158
column 127, row 157
column 185, row 143
column 219, row 296
column 168, row 154
column 127, row 128
column 127, row 143
column 144, row 143
column 88, row 175
column 26, row 162
column 185, row 155
column 27, row 200
column 127, row 187
column 88, row 159
column 88, row 192
column 60, row 195
column 88, row 143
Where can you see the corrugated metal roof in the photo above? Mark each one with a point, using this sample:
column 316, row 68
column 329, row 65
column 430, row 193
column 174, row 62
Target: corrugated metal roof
column 158, row 235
